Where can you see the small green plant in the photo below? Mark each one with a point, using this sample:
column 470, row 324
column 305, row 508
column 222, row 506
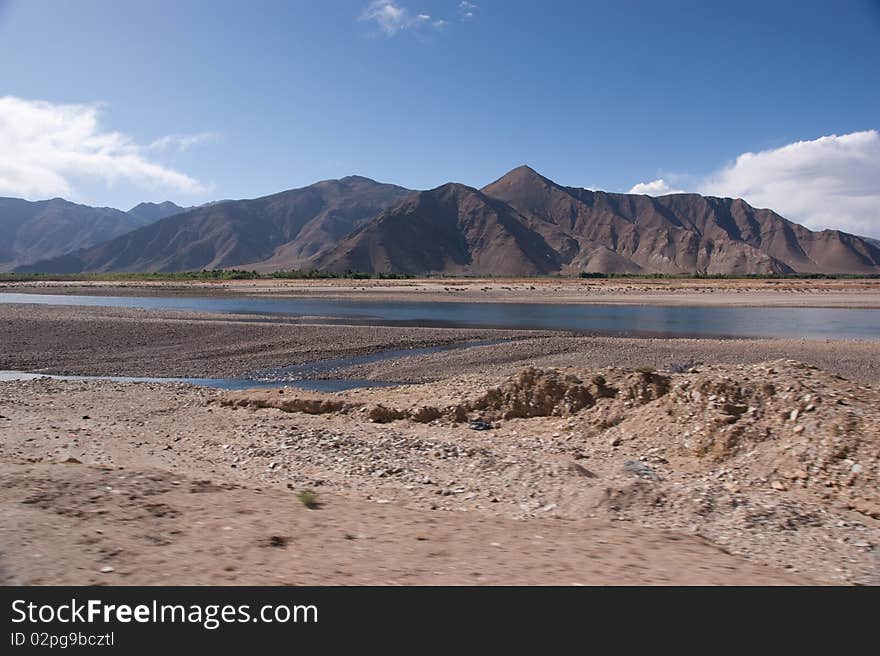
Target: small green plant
column 646, row 371
column 308, row 498
column 599, row 380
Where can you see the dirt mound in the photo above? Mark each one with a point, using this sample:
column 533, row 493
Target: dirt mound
column 283, row 401
column 536, row 393
column 380, row 414
column 783, row 424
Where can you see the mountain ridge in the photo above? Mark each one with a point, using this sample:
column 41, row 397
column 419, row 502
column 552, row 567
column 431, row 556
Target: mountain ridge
column 281, row 229
column 523, row 223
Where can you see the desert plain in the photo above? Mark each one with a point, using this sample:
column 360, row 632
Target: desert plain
column 597, row 459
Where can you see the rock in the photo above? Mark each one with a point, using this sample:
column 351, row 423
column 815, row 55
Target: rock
column 381, row 415
column 106, row 569
column 479, row 425
column 425, row 414
column 640, row 469
column 583, row 471
column 779, row 485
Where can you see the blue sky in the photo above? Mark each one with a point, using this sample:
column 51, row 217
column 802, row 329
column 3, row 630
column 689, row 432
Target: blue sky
column 194, row 101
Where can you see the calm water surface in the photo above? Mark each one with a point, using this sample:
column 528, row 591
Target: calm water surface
column 810, row 323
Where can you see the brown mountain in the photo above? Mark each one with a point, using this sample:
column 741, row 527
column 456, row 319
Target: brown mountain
column 451, row 229
column 521, row 224
column 678, row 233
column 273, row 232
column 32, row 230
column 524, row 223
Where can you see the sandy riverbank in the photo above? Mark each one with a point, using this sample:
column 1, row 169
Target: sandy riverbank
column 634, row 291
column 131, row 342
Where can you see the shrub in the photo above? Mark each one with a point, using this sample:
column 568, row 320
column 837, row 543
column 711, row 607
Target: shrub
column 308, row 498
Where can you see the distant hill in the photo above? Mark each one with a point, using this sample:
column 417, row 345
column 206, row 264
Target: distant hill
column 150, row 212
column 33, row 230
column 280, row 231
column 520, row 225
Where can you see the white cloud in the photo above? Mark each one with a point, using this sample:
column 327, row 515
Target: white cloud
column 467, row 10
column 658, row 187
column 392, row 18
column 182, row 142
column 43, row 146
column 829, row 182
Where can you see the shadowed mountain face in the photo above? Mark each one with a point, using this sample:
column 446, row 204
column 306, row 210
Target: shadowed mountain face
column 274, row 232
column 522, row 224
column 451, row 229
column 525, row 224
column 678, row 233
column 31, row 231
column 150, row 212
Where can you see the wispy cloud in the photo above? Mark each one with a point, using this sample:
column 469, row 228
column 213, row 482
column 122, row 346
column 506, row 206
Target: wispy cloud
column 43, row 146
column 182, row 142
column 392, row 18
column 467, row 10
column 829, row 182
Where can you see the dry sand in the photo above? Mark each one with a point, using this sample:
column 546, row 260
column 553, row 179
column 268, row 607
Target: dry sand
column 706, row 476
column 132, row 342
column 164, row 494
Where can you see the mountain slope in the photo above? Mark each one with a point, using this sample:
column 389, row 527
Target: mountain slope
column 450, row 229
column 678, row 233
column 526, row 224
column 272, row 232
column 32, row 230
column 150, row 212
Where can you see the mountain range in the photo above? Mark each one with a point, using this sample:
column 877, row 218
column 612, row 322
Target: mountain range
column 36, row 230
column 522, row 224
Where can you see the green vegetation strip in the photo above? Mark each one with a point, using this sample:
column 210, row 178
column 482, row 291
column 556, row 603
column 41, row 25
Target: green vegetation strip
column 239, row 274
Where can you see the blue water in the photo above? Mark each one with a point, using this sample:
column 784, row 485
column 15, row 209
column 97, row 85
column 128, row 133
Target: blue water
column 330, row 385
column 793, row 322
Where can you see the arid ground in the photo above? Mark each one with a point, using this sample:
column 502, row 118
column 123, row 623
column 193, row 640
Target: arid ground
column 603, row 459
column 858, row 293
